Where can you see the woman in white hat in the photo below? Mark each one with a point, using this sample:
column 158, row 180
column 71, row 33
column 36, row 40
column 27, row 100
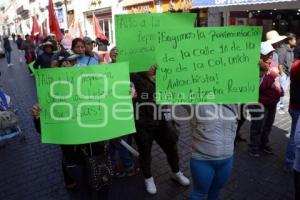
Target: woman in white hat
column 276, row 41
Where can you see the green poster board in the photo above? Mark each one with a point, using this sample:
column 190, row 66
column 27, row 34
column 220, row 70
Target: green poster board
column 136, row 35
column 208, row 65
column 85, row 104
column 30, row 66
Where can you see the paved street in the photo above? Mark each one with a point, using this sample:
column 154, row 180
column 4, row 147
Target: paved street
column 31, row 170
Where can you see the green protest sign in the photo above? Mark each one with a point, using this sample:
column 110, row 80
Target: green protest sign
column 30, row 66
column 208, row 65
column 85, row 104
column 136, row 35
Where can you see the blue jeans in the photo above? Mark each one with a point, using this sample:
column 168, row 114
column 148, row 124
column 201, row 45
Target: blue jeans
column 8, row 56
column 290, row 150
column 209, row 177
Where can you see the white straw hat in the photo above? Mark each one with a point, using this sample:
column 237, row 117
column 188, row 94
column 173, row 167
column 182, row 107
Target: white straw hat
column 274, row 37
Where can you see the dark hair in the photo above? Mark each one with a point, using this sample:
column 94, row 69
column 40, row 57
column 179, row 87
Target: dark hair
column 26, row 35
column 290, row 36
column 75, row 41
column 48, row 38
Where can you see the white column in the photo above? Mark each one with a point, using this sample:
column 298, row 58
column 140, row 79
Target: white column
column 226, row 16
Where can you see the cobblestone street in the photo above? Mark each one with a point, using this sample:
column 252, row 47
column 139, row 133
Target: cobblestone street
column 32, row 170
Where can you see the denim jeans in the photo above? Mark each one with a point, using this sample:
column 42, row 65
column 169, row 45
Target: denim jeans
column 290, row 150
column 297, row 147
column 209, row 177
column 8, row 56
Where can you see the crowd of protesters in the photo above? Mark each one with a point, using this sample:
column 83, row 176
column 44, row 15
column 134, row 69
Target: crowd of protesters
column 213, row 140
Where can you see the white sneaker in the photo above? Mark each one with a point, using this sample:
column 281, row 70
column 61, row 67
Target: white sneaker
column 8, row 65
column 150, row 186
column 180, row 178
column 11, row 64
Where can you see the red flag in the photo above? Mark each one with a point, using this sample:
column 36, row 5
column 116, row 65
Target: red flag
column 44, row 29
column 53, row 22
column 97, row 29
column 35, row 28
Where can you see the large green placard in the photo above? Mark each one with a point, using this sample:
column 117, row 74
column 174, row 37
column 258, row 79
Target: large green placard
column 136, row 36
column 85, row 104
column 208, row 65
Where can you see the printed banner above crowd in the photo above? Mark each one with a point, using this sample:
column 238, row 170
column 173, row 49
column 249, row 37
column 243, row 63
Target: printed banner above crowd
column 136, row 36
column 85, row 104
column 208, row 65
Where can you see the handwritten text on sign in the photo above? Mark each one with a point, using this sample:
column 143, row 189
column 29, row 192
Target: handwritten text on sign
column 83, row 105
column 208, row 65
column 136, row 36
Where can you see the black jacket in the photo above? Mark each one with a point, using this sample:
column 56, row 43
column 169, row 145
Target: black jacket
column 44, row 61
column 6, row 44
column 147, row 115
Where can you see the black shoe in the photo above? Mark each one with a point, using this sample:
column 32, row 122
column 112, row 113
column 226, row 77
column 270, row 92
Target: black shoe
column 254, row 153
column 267, row 150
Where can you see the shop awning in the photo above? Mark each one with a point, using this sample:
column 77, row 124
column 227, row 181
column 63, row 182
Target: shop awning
column 222, row 3
column 127, row 3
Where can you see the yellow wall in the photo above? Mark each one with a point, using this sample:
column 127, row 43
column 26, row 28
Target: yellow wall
column 139, row 8
column 179, row 5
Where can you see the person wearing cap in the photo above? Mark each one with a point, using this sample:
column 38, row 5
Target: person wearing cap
column 89, row 46
column 269, row 94
column 275, row 40
column 44, row 60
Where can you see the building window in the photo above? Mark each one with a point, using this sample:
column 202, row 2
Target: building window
column 106, row 26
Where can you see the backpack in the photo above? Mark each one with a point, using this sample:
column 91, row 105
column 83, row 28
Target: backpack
column 8, row 119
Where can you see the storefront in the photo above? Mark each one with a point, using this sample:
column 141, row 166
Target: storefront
column 281, row 15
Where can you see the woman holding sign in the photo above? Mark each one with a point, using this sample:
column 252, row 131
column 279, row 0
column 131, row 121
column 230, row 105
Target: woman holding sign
column 83, row 49
column 87, row 166
column 149, row 129
column 213, row 132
